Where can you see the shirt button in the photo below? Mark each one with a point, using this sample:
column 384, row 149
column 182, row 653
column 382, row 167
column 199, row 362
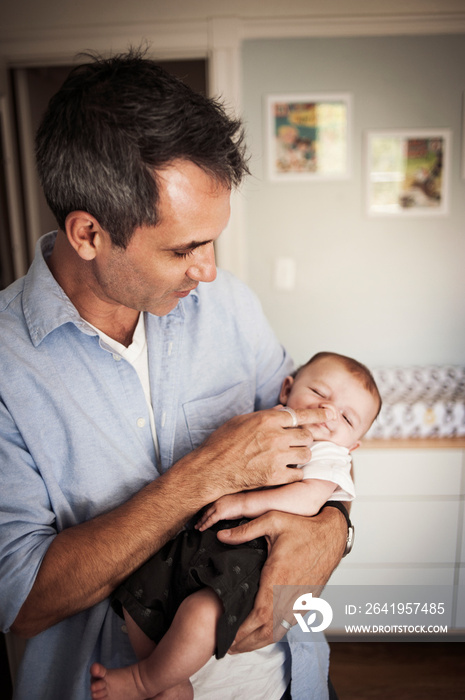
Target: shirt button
column 116, row 358
column 124, row 629
column 140, row 422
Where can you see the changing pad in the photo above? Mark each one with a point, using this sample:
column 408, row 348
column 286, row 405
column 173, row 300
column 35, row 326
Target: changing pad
column 426, row 401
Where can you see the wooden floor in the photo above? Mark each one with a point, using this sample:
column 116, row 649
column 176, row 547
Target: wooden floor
column 398, row 671
column 377, row 671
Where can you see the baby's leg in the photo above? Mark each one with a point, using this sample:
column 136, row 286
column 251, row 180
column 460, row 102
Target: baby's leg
column 142, row 645
column 185, row 648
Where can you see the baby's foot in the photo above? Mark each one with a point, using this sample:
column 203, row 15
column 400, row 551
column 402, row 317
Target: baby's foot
column 116, row 684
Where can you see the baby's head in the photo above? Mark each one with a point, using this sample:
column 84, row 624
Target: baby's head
column 345, row 386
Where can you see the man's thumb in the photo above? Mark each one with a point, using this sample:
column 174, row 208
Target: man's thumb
column 242, row 533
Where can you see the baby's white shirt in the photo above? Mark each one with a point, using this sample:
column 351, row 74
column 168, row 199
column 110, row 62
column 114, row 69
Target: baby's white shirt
column 332, row 463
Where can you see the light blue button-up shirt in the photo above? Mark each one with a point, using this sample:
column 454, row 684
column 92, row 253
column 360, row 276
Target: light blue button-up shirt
column 75, row 438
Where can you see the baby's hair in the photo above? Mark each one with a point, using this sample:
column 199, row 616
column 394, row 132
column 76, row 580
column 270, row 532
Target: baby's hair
column 355, row 367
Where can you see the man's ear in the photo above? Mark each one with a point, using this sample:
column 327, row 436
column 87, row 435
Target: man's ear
column 286, row 389
column 355, row 446
column 84, row 233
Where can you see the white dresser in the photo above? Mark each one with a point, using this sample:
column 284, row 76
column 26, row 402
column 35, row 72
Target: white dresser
column 409, row 517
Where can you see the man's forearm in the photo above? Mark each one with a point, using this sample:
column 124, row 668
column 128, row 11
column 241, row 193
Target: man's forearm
column 85, row 563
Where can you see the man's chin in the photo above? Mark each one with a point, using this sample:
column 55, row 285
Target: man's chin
column 162, row 309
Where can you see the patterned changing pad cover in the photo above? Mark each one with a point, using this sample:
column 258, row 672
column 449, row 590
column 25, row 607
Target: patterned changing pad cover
column 426, row 401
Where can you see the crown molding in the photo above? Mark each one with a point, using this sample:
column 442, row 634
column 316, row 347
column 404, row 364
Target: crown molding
column 193, row 38
column 301, row 27
column 58, row 45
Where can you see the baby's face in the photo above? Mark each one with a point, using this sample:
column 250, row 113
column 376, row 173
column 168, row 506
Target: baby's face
column 326, row 383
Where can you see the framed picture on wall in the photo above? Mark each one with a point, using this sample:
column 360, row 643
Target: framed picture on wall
column 308, row 136
column 407, row 172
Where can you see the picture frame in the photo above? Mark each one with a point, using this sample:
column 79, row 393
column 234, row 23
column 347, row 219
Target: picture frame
column 408, row 172
column 308, row 136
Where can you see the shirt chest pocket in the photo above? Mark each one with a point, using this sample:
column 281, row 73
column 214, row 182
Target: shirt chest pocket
column 203, row 416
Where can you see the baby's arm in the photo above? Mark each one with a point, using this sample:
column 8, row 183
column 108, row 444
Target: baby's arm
column 300, row 498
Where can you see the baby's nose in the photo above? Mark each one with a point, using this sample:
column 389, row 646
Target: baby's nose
column 331, row 411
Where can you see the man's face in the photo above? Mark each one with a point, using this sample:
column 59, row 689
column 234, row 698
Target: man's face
column 326, row 383
column 162, row 264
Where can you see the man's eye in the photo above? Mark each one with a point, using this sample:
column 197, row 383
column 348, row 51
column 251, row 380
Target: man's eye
column 183, row 254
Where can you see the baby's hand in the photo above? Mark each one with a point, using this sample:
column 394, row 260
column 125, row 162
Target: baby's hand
column 226, row 507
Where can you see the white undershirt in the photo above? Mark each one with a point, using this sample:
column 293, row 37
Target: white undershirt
column 137, row 355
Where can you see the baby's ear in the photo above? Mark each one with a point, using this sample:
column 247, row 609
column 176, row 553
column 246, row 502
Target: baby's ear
column 355, row 446
column 286, row 389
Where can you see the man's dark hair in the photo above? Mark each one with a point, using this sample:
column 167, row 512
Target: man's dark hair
column 114, row 123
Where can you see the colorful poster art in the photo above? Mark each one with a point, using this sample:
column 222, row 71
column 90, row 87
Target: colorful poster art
column 408, row 172
column 308, row 136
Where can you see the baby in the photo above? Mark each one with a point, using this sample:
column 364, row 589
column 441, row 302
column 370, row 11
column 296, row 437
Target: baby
column 188, row 601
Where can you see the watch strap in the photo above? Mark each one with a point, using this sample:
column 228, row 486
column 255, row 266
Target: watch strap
column 350, row 528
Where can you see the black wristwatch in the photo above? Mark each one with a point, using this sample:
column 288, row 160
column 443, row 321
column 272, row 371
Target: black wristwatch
column 350, row 528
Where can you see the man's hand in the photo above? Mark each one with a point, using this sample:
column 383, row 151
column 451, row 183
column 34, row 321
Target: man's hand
column 254, row 450
column 302, row 551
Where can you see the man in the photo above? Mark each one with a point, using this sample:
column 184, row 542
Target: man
column 122, row 352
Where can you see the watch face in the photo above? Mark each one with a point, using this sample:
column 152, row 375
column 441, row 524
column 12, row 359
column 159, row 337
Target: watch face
column 350, row 540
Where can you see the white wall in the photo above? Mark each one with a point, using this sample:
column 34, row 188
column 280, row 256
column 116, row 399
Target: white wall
column 388, row 291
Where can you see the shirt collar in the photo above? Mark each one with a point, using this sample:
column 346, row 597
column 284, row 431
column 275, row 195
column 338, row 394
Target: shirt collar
column 45, row 304
column 47, row 307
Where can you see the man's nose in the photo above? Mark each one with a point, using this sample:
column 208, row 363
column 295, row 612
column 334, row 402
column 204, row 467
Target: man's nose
column 203, row 268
